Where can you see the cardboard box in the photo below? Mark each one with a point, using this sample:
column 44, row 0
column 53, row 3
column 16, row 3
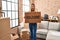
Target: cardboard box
column 14, row 30
column 15, row 37
column 32, row 17
column 5, row 28
column 24, row 39
column 25, row 35
column 24, row 32
column 6, row 37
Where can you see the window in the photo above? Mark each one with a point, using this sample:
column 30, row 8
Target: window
column 10, row 8
column 26, row 6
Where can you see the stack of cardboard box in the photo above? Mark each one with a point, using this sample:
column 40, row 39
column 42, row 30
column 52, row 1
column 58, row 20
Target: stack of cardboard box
column 25, row 35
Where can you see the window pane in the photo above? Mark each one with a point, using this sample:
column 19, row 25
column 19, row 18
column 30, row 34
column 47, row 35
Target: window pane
column 13, row 15
column 16, row 1
column 4, row 0
column 13, row 23
column 26, row 2
column 5, row 13
column 16, row 14
column 13, row 0
column 8, row 0
column 4, row 5
column 16, row 22
column 9, row 5
column 9, row 14
column 26, row 8
column 13, row 6
column 16, row 6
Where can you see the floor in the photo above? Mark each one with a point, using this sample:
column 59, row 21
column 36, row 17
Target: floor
column 37, row 39
column 40, row 39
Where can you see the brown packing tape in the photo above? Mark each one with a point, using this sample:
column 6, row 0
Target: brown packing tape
column 24, row 31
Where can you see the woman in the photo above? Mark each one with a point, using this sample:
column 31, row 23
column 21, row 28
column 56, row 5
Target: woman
column 33, row 26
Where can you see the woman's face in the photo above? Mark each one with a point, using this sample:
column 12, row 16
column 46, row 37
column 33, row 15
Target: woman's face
column 32, row 7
